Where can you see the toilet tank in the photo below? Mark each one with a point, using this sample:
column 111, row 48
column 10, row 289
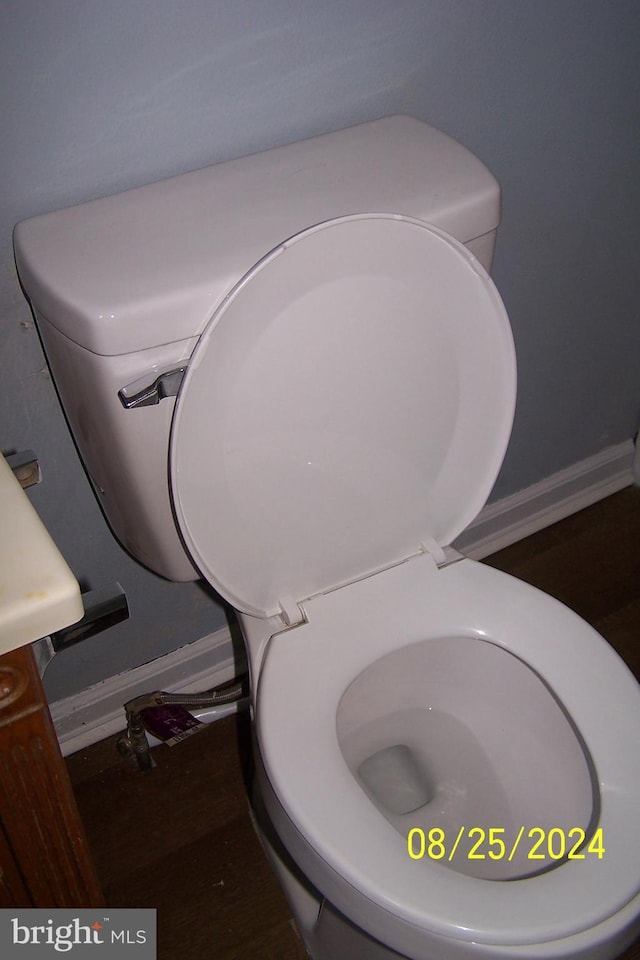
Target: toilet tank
column 122, row 287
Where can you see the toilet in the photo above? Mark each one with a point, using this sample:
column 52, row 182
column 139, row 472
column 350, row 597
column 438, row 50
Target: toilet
column 291, row 375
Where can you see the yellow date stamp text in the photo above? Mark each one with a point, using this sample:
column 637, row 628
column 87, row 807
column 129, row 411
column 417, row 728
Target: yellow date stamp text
column 494, row 844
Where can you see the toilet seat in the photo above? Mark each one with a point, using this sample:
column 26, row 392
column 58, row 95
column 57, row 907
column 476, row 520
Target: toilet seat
column 305, row 673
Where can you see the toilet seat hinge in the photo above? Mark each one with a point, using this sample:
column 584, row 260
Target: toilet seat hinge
column 442, row 556
column 291, row 613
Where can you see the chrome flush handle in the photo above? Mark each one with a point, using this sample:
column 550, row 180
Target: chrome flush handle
column 165, row 385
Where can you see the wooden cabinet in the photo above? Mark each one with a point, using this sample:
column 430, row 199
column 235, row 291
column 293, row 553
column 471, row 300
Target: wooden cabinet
column 44, row 857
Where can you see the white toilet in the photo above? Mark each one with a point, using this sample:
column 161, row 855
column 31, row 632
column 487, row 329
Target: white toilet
column 291, row 374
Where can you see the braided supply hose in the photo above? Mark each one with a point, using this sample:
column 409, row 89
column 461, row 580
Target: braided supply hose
column 135, row 744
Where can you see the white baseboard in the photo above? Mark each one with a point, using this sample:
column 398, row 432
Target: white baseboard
column 636, row 462
column 518, row 516
column 97, row 712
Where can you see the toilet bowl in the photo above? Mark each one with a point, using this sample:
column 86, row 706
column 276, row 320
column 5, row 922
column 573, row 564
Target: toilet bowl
column 519, row 703
column 306, row 407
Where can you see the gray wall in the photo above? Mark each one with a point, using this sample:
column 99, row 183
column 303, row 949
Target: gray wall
column 97, row 97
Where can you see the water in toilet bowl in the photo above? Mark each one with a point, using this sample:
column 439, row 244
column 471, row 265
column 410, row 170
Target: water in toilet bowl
column 461, row 736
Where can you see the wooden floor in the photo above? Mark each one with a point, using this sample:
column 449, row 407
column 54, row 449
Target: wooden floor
column 179, row 837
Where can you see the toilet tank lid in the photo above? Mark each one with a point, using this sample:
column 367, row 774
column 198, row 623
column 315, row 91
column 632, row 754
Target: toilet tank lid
column 350, row 402
column 149, row 266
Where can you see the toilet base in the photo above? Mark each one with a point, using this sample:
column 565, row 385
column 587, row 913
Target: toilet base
column 324, row 931
column 332, row 936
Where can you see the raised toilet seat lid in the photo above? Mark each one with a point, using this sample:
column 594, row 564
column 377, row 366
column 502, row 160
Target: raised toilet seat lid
column 348, row 403
column 305, row 674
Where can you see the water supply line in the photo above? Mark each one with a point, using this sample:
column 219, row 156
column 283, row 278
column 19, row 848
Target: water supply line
column 135, row 743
